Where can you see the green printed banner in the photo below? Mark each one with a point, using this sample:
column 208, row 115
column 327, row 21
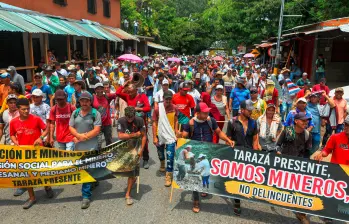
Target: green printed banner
column 34, row 166
column 293, row 183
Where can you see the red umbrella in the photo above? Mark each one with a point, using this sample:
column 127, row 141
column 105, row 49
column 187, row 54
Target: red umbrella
column 218, row 58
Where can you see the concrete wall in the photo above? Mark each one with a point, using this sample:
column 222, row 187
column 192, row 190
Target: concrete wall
column 75, row 9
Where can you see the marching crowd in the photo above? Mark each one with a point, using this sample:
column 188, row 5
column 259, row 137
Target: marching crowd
column 75, row 107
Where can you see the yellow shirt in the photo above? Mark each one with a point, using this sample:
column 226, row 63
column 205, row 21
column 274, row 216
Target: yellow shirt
column 259, row 108
column 5, row 106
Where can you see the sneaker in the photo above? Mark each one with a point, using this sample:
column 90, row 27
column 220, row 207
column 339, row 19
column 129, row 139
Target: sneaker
column 85, row 203
column 50, row 193
column 29, row 204
column 129, row 201
column 19, row 192
column 145, row 164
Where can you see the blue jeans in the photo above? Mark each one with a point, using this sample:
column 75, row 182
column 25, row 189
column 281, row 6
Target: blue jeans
column 86, row 190
column 285, row 109
column 150, row 99
column 319, row 75
column 315, row 142
column 339, row 128
column 205, row 181
column 170, row 152
column 69, row 146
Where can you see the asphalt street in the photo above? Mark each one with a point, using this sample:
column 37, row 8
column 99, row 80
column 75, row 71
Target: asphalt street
column 151, row 205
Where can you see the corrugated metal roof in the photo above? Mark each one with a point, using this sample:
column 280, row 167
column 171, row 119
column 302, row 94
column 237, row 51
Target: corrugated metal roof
column 101, row 32
column 5, row 26
column 13, row 18
column 87, row 30
column 72, row 26
column 344, row 28
column 120, row 33
column 52, row 22
column 158, row 46
column 33, row 19
column 321, row 30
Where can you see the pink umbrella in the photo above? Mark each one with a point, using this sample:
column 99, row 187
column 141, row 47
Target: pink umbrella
column 130, row 57
column 218, row 58
column 174, row 59
column 249, row 55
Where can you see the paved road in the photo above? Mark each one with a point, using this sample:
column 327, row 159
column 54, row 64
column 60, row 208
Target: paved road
column 151, row 205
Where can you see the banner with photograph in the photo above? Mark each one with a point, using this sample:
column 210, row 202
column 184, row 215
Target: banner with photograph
column 34, row 166
column 293, row 183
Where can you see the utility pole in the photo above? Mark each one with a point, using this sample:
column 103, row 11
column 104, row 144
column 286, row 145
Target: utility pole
column 278, row 56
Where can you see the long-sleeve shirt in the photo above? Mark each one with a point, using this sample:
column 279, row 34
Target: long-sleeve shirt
column 141, row 100
column 290, row 118
column 54, row 82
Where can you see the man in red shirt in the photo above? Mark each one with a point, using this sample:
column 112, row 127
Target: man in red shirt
column 27, row 130
column 184, row 103
column 101, row 102
column 59, row 120
column 321, row 87
column 338, row 145
column 140, row 102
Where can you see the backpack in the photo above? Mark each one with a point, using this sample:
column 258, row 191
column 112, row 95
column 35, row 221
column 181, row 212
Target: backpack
column 55, row 110
column 94, row 114
column 192, row 127
column 290, row 134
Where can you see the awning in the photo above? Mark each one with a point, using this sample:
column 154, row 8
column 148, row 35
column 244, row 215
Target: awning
column 101, row 32
column 344, row 28
column 120, row 33
column 158, row 46
column 19, row 22
column 296, row 34
column 265, row 45
column 34, row 20
column 5, row 26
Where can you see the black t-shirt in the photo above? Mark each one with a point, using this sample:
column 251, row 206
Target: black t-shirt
column 125, row 127
column 299, row 147
column 235, row 131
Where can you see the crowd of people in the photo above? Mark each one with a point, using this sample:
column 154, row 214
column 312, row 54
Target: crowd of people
column 75, row 108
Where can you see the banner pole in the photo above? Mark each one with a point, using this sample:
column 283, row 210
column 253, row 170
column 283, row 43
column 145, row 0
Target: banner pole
column 138, row 184
column 171, row 194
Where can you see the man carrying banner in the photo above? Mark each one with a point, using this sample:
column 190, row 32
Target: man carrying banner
column 85, row 125
column 296, row 141
column 59, row 121
column 201, row 128
column 27, row 129
column 129, row 127
column 243, row 131
column 165, row 128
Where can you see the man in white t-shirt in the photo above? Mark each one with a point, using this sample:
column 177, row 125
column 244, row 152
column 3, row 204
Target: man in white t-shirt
column 38, row 107
column 159, row 95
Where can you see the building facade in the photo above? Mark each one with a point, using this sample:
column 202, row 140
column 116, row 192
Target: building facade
column 106, row 12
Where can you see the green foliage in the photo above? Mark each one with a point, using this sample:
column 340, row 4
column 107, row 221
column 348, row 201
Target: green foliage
column 190, row 26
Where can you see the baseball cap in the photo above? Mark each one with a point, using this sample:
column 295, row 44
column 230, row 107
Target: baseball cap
column 339, row 89
column 168, row 95
column 253, row 89
column 305, row 74
column 37, row 92
column 37, row 74
column 49, row 68
column 202, row 107
column 302, row 99
column 219, row 87
column 86, row 95
column 201, row 155
column 11, row 68
column 99, row 85
column 125, row 70
column 270, row 82
column 11, row 96
column 60, row 95
column 184, row 86
column 165, row 82
column 271, row 105
column 165, row 68
column 197, row 76
column 301, row 116
column 247, row 104
column 5, row 75
column 145, row 69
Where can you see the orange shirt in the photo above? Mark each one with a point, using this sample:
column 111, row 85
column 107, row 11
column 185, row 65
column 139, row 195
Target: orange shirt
column 4, row 92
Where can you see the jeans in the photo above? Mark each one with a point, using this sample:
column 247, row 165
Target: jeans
column 69, row 146
column 86, row 190
column 107, row 132
column 150, row 99
column 315, row 142
column 319, row 75
column 170, row 152
column 235, row 112
column 205, row 181
column 339, row 128
column 285, row 109
column 327, row 134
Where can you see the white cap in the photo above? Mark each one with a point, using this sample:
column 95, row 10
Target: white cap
column 219, row 87
column 189, row 146
column 257, row 66
column 197, row 76
column 37, row 92
column 125, row 70
column 302, row 99
column 201, row 155
column 304, row 73
column 165, row 81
